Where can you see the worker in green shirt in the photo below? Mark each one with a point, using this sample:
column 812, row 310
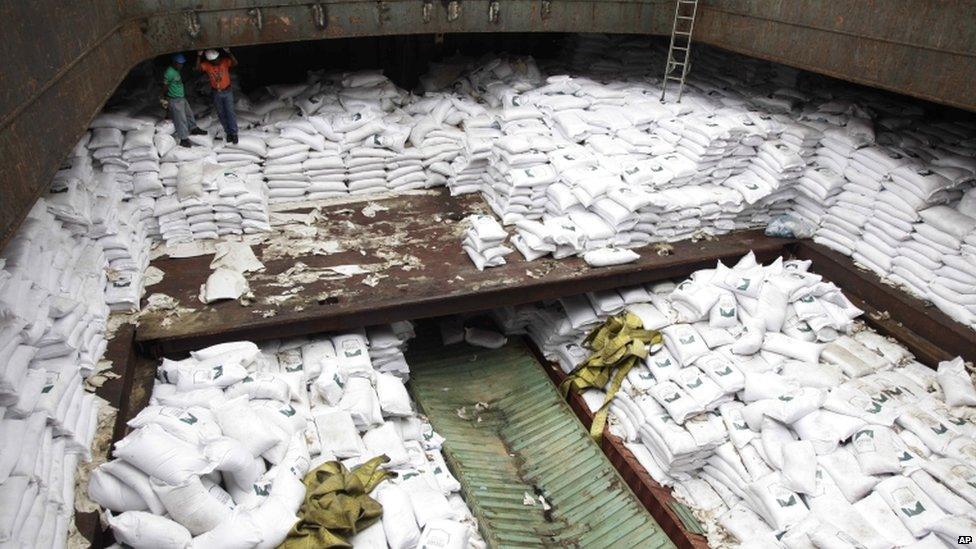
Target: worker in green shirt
column 174, row 97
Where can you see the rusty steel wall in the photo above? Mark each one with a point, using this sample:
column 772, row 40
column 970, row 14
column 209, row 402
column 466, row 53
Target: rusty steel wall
column 923, row 48
column 62, row 59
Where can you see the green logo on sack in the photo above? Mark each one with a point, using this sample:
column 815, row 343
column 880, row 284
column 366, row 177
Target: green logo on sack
column 913, row 511
column 876, row 408
column 335, row 377
column 807, row 299
column 190, row 419
column 695, row 384
column 787, row 502
column 744, row 285
column 687, row 340
column 262, row 490
column 957, row 421
column 218, row 371
column 940, row 430
column 293, row 368
column 666, row 363
column 672, row 398
column 785, row 398
column 247, row 379
column 727, row 313
column 350, row 354
column 905, row 456
column 288, row 411
column 723, row 372
column 865, row 433
column 752, row 186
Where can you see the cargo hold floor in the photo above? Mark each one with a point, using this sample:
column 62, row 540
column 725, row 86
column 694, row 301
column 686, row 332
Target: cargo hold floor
column 409, row 249
column 512, row 439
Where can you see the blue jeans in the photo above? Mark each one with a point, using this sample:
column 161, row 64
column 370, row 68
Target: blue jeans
column 183, row 119
column 224, row 102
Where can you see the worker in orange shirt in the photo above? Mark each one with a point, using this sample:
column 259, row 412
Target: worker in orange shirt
column 217, row 66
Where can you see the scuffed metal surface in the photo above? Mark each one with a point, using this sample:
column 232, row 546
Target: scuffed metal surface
column 924, row 48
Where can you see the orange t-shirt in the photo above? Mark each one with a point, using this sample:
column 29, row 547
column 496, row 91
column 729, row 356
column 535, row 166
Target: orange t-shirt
column 218, row 72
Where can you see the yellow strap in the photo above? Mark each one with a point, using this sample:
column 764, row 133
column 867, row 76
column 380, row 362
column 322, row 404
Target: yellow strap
column 616, row 346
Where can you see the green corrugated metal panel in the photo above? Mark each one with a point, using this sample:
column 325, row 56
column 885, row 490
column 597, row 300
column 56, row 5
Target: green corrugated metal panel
column 509, row 433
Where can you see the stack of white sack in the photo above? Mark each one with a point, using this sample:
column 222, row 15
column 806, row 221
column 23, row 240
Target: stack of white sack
column 435, row 134
column 220, row 454
column 69, row 200
column 817, row 190
column 109, row 132
column 212, row 201
column 386, row 346
column 282, row 168
column 936, row 263
column 557, row 329
column 140, row 153
column 710, row 142
column 484, row 242
column 519, row 171
column 824, row 431
column 907, row 190
column 52, row 323
column 480, row 132
column 776, row 167
column 247, row 155
column 45, row 435
column 52, row 296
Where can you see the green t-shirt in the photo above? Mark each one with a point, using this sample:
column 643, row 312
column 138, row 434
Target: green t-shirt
column 173, row 82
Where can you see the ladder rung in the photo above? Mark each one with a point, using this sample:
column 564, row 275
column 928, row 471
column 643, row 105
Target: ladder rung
column 669, row 77
column 687, row 17
column 679, row 48
column 680, row 33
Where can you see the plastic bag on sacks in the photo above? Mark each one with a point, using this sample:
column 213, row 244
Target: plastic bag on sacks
column 789, row 226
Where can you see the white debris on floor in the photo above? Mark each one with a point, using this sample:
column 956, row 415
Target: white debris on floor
column 779, row 420
column 220, row 453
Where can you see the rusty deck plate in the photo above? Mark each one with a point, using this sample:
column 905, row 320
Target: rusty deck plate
column 414, row 248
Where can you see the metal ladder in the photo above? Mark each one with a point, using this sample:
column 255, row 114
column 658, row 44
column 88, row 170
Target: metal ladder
column 681, row 29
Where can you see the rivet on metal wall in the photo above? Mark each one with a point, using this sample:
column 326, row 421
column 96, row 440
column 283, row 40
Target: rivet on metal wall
column 546, row 9
column 493, row 11
column 318, row 16
column 453, row 10
column 193, row 24
column 382, row 12
column 428, row 10
column 258, row 18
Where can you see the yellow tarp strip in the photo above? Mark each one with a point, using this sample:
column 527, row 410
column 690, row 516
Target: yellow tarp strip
column 337, row 505
column 616, row 346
